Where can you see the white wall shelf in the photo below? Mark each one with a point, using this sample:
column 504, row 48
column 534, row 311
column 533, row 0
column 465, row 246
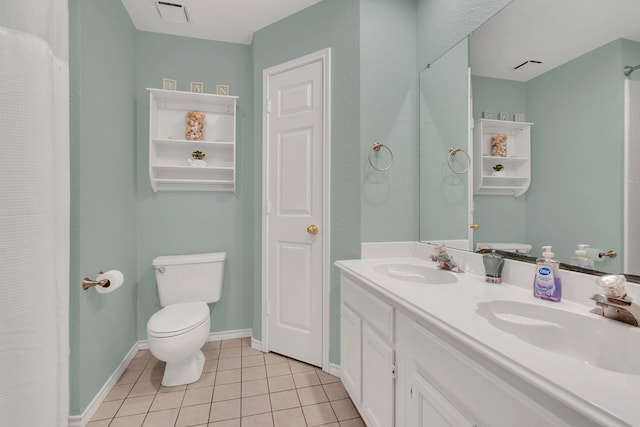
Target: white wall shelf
column 517, row 164
column 169, row 152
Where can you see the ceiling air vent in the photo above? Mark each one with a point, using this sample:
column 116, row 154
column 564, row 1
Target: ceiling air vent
column 172, row 12
column 529, row 62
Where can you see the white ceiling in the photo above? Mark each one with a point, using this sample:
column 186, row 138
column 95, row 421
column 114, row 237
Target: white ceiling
column 232, row 21
column 551, row 31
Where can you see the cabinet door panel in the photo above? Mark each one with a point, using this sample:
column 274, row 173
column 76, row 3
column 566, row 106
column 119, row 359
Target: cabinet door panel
column 351, row 352
column 486, row 398
column 430, row 409
column 377, row 379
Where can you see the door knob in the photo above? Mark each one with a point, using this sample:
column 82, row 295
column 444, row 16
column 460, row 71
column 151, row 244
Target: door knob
column 474, row 226
column 312, row 229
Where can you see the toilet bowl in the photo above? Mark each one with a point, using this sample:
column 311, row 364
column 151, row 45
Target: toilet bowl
column 177, row 332
column 175, row 335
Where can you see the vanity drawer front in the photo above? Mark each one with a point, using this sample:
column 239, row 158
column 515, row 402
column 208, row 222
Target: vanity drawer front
column 372, row 310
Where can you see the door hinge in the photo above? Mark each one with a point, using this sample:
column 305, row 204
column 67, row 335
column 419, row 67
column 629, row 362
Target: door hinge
column 394, row 372
column 411, row 392
column 268, row 207
column 268, row 308
column 268, row 106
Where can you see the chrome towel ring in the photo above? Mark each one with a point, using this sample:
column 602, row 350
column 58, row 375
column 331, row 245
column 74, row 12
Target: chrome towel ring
column 452, row 153
column 376, row 147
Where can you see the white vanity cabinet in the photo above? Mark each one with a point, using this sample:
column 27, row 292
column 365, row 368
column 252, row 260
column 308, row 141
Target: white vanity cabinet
column 367, row 353
column 170, row 152
column 515, row 177
column 442, row 379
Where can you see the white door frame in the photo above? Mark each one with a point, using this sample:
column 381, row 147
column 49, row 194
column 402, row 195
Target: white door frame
column 323, row 55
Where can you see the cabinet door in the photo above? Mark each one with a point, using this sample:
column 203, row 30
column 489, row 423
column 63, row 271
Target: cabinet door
column 377, row 379
column 428, row 408
column 351, row 352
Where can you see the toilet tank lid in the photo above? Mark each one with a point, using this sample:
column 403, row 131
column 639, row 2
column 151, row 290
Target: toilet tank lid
column 189, row 259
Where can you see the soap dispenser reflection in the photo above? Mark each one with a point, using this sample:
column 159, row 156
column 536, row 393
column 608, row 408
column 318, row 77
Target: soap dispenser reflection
column 493, row 264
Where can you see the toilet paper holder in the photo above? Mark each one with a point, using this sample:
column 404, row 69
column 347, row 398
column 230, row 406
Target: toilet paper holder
column 88, row 283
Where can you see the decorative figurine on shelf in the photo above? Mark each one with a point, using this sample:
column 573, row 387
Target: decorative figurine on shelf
column 498, row 170
column 197, row 159
column 499, row 145
column 195, row 126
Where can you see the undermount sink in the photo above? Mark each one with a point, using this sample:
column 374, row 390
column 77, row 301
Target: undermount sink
column 597, row 341
column 416, row 274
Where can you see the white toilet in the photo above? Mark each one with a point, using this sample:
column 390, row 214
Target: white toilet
column 176, row 333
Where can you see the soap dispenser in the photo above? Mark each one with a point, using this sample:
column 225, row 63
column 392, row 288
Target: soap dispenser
column 580, row 259
column 547, row 284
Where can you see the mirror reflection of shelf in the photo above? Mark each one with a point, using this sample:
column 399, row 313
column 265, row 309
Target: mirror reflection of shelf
column 515, row 177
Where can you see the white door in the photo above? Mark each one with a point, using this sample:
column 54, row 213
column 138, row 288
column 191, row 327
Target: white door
column 294, row 216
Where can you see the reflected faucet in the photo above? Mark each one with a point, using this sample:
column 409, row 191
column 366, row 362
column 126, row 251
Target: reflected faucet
column 445, row 262
column 614, row 303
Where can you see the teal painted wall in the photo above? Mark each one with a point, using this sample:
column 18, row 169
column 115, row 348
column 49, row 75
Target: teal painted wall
column 498, row 95
column 388, row 114
column 443, row 116
column 103, row 192
column 442, row 24
column 329, row 24
column 501, row 218
column 576, row 143
column 177, row 222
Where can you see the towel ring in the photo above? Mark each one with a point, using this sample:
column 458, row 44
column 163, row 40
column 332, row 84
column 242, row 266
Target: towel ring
column 453, row 152
column 376, row 147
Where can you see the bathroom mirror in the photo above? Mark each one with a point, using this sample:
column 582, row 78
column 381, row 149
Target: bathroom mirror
column 571, row 87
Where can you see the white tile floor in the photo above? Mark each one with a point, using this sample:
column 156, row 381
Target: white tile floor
column 240, row 386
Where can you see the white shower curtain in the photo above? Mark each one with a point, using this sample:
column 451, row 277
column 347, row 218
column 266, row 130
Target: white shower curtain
column 34, row 213
column 632, row 177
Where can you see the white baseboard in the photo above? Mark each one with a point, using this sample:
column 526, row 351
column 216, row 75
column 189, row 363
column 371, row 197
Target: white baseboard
column 335, row 370
column 83, row 419
column 90, row 410
column 256, row 344
column 213, row 336
column 229, row 335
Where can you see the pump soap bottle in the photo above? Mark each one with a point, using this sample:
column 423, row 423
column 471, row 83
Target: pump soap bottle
column 580, row 259
column 547, row 284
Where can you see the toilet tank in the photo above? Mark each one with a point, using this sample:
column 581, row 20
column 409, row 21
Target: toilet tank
column 189, row 278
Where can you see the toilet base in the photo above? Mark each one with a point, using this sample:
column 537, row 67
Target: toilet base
column 186, row 371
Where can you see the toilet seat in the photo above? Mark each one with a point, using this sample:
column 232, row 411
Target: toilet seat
column 177, row 319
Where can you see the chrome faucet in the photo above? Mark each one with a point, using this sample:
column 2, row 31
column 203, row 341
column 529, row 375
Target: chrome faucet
column 614, row 303
column 445, row 262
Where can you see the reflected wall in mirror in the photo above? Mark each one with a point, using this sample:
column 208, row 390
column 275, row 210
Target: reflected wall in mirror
column 575, row 99
column 443, row 106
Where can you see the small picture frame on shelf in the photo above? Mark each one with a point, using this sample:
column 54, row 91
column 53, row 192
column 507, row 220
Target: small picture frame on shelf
column 222, row 90
column 197, row 87
column 487, row 115
column 518, row 117
column 168, row 84
column 503, row 116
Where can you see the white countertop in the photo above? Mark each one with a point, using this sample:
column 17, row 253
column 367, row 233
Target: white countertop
column 609, row 397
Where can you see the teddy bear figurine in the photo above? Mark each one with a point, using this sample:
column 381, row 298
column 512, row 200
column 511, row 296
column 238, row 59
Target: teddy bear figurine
column 499, row 145
column 195, row 126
